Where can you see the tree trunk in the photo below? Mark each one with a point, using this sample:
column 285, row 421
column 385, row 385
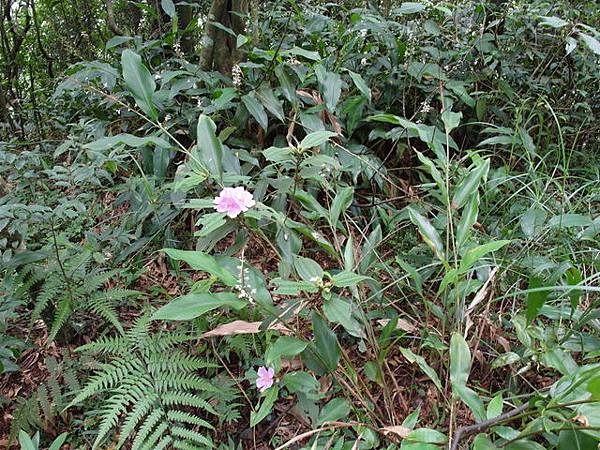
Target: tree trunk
column 219, row 49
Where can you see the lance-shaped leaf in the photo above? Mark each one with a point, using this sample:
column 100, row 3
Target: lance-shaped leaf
column 210, row 148
column 428, row 232
column 139, row 82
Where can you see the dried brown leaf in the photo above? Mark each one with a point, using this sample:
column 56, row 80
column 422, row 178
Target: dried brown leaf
column 242, row 327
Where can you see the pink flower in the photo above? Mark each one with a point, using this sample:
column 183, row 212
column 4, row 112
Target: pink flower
column 234, row 201
column 265, row 378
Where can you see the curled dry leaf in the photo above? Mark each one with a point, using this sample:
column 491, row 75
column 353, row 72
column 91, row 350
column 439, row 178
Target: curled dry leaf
column 242, row 327
column 397, row 430
column 402, row 324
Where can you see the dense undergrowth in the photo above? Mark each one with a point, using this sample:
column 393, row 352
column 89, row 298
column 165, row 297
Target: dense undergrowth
column 416, row 268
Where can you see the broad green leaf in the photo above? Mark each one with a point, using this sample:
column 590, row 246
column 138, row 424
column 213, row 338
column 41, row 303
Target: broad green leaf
column 535, row 300
column 591, row 42
column 474, row 254
column 168, row 7
column 26, row 442
column 347, row 279
column 335, row 409
column 108, row 143
column 569, row 221
column 469, row 186
column 204, row 262
column 428, row 232
column 426, row 368
column 302, row 382
column 553, row 21
column 190, row 306
column 139, row 82
column 284, row 347
column 340, row 203
column 325, row 343
column 576, row 440
column 339, row 310
column 278, row 154
column 471, row 399
column 451, row 120
column 494, row 408
column 210, row 148
column 427, row 436
column 256, row 109
column 288, row 287
column 209, row 223
column 361, row 84
column 269, row 101
column 316, row 138
column 308, row 269
column 266, row 406
column 505, row 359
column 331, row 85
column 532, row 222
column 460, row 359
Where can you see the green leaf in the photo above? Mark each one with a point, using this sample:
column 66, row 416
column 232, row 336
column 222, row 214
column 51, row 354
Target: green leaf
column 331, row 85
column 469, row 186
column 266, row 406
column 340, row 203
column 325, row 343
column 110, row 142
column 554, row 22
column 204, row 262
column 476, row 253
column 573, row 277
column 494, row 408
column 361, row 84
column 576, row 440
column 278, row 154
column 532, row 222
column 308, row 269
column 591, row 42
column 336, row 409
column 460, row 359
column 467, row 220
column 286, row 347
column 451, row 119
column 190, row 306
column 26, row 442
column 428, row 232
column 58, row 442
column 210, row 148
column 168, row 7
column 460, row 367
column 535, row 300
column 427, row 436
column 269, row 101
column 339, row 310
column 426, row 368
column 569, row 221
column 316, row 138
column 256, row 109
column 347, row 279
column 139, row 82
column 505, row 359
column 302, row 382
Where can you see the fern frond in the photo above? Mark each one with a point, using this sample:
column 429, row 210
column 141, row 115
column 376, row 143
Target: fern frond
column 141, row 409
column 62, row 313
column 186, row 399
column 114, row 345
column 190, row 435
column 182, row 416
column 151, row 421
